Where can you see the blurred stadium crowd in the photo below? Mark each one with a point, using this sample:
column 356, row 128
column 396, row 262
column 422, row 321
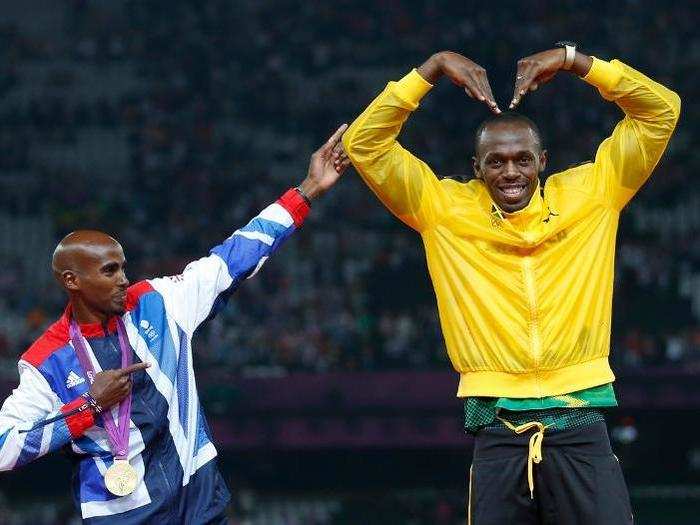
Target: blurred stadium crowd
column 170, row 124
column 170, row 131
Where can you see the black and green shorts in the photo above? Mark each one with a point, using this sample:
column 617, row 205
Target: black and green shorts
column 577, row 482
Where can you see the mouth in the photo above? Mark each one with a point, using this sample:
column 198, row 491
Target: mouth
column 514, row 192
column 120, row 297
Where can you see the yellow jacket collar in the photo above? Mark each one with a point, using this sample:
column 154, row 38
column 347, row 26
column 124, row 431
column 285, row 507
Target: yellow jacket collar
column 529, row 216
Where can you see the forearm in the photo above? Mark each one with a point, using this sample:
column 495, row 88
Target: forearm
column 641, row 98
column 23, row 440
column 582, row 64
column 431, row 69
column 374, row 133
column 627, row 158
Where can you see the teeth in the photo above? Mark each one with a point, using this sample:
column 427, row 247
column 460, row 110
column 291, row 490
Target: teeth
column 512, row 190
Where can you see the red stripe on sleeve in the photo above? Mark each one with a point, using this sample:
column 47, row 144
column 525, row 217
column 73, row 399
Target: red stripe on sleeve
column 80, row 422
column 295, row 205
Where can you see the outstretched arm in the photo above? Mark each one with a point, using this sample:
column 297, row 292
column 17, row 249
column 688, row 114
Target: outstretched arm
column 625, row 160
column 205, row 284
column 404, row 183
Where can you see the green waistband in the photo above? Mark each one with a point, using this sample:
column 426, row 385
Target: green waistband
column 561, row 412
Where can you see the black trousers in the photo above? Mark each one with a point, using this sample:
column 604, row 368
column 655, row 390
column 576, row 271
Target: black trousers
column 578, row 481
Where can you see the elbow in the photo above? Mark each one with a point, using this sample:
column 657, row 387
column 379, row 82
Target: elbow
column 350, row 143
column 362, row 145
column 675, row 106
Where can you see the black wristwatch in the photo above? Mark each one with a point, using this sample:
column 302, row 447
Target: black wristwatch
column 570, row 49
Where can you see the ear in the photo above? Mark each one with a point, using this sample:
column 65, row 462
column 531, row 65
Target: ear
column 543, row 160
column 477, row 168
column 69, row 279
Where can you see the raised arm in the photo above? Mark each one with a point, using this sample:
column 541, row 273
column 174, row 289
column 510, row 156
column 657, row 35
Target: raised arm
column 205, row 284
column 625, row 160
column 404, row 183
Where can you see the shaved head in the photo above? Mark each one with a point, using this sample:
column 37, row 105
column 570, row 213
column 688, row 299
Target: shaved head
column 507, row 119
column 78, row 246
column 90, row 266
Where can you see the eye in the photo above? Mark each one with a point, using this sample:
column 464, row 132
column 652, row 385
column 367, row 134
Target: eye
column 110, row 269
column 525, row 160
column 494, row 163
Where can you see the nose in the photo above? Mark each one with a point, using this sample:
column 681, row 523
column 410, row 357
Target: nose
column 511, row 170
column 123, row 280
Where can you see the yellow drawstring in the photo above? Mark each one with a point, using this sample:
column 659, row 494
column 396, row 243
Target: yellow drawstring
column 534, row 452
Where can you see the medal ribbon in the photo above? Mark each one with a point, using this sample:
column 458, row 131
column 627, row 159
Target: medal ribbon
column 117, row 433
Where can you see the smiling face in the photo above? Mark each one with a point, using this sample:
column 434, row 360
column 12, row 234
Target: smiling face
column 91, row 267
column 509, row 159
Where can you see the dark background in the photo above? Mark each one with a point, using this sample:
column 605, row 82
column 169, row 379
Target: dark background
column 169, row 124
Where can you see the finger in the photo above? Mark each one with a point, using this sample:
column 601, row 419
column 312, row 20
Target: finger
column 525, row 88
column 475, row 87
column 335, row 138
column 486, row 89
column 342, row 166
column 133, row 368
column 491, row 100
column 522, row 80
column 530, row 77
column 342, row 159
column 479, row 81
column 338, row 151
column 519, row 78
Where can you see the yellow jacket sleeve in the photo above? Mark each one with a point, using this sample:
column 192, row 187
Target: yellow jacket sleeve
column 625, row 160
column 404, row 183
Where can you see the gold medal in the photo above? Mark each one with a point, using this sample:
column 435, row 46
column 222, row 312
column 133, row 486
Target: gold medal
column 121, row 478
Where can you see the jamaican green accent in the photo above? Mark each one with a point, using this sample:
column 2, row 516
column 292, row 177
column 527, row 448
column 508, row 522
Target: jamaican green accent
column 481, row 411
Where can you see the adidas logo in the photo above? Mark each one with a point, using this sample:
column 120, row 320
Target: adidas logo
column 74, row 380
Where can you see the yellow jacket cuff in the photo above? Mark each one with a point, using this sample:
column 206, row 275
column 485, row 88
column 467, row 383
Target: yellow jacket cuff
column 603, row 75
column 412, row 88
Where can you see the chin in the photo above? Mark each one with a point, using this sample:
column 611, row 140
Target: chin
column 509, row 207
column 119, row 309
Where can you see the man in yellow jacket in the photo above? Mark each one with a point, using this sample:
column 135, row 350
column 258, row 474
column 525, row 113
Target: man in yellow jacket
column 523, row 275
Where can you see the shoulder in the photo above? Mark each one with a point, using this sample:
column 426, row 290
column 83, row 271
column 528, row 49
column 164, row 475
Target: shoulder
column 135, row 292
column 52, row 340
column 575, row 176
column 461, row 185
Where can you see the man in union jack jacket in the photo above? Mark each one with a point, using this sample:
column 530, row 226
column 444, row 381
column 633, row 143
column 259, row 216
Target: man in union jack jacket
column 113, row 378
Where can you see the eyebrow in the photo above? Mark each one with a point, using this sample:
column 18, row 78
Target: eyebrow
column 112, row 264
column 491, row 154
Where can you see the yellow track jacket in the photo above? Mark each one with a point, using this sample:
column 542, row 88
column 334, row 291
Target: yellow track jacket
column 525, row 299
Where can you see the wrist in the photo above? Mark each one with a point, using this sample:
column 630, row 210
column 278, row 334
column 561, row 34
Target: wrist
column 431, row 69
column 92, row 403
column 79, row 416
column 309, row 190
column 561, row 55
column 582, row 64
